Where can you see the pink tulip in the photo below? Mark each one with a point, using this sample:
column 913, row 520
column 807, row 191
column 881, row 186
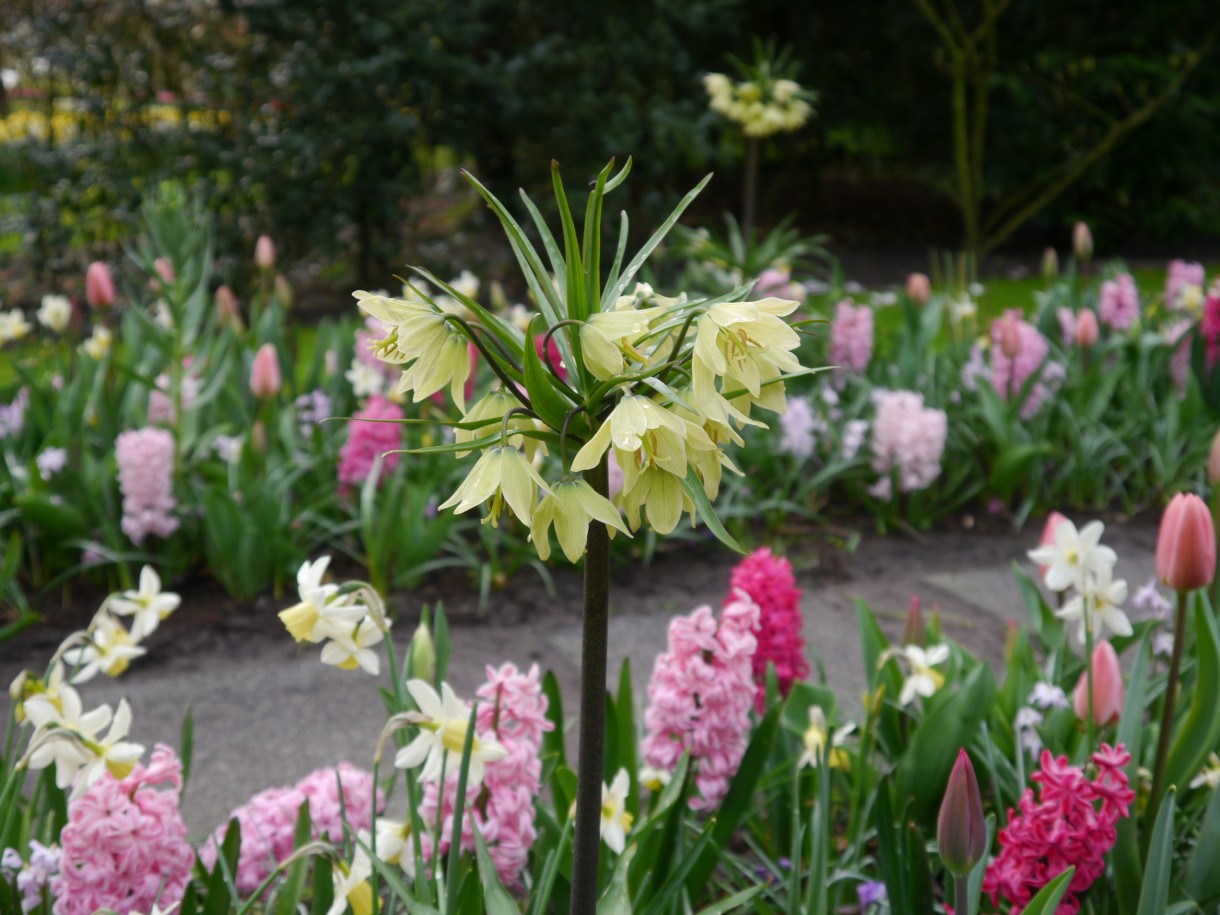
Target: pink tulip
column 227, row 312
column 265, row 380
column 1087, row 330
column 1108, row 692
column 1186, row 544
column 264, row 252
column 1009, row 328
column 1082, row 241
column 961, row 830
column 165, row 269
column 99, row 286
column 1053, row 520
column 919, row 288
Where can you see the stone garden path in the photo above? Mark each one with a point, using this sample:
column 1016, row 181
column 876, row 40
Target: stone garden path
column 269, row 713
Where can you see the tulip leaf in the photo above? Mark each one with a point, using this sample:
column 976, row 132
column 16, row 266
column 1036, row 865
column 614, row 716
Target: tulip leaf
column 1202, row 875
column 617, row 898
column 55, row 520
column 1154, row 898
column 1047, row 900
column 1128, row 868
column 1199, row 732
column 496, row 900
column 694, row 489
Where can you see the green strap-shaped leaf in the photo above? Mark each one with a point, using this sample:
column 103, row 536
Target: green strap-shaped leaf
column 547, row 402
column 1200, row 731
column 1047, row 900
column 703, row 506
column 1154, row 898
column 1202, row 875
column 1128, row 868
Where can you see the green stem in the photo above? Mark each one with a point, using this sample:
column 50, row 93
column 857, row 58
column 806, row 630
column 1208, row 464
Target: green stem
column 1088, row 671
column 1171, row 696
column 587, row 841
column 961, row 893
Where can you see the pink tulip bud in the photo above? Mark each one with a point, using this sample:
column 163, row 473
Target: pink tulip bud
column 99, row 286
column 919, row 288
column 1010, row 335
column 1082, row 241
column 961, row 830
column 1050, row 264
column 265, row 378
column 258, row 437
column 1053, row 520
column 914, row 632
column 1213, row 462
column 331, row 362
column 1186, row 544
column 165, row 269
column 1087, row 330
column 283, row 290
column 264, row 252
column 227, row 312
column 1108, row 692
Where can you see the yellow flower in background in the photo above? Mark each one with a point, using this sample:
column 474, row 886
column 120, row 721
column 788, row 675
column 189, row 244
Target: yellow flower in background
column 570, row 506
column 815, row 740
column 502, row 474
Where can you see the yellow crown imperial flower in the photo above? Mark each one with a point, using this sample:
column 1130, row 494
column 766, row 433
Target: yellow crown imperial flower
column 570, row 505
column 501, row 474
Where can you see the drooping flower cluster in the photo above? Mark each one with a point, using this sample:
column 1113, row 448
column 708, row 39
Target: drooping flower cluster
column 349, row 622
column 1072, row 823
column 33, row 877
column 908, row 438
column 1078, row 560
column 1119, row 305
column 268, row 820
column 760, row 107
column 700, row 695
column 366, row 441
column 769, row 583
column 1019, row 352
column 1184, row 283
column 146, row 479
column 851, row 337
column 512, row 709
column 124, row 847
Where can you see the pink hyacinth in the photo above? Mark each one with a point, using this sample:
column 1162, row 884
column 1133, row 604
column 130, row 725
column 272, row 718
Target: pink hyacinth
column 146, row 469
column 700, row 695
column 268, row 820
column 908, row 437
column 1120, row 302
column 851, row 337
column 1180, row 277
column 125, row 846
column 769, row 582
column 1209, row 327
column 1073, row 823
column 778, row 282
column 367, row 440
column 1067, row 325
column 512, row 709
column 1018, row 351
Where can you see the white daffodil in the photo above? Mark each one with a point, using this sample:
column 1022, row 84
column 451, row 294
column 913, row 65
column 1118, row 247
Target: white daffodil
column 321, row 607
column 1098, row 606
column 1210, row 774
column 350, row 647
column 99, row 343
column 13, row 326
column 501, row 474
column 570, row 505
column 55, row 312
column 815, row 740
column 615, row 820
column 442, row 722
column 147, row 606
column 112, row 753
column 923, row 679
column 652, row 778
column 394, row 844
column 109, row 648
column 1073, row 555
column 351, row 885
column 60, row 728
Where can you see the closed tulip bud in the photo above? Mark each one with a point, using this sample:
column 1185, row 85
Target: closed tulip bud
column 1010, row 336
column 1053, row 520
column 1213, row 462
column 1087, row 330
column 423, row 654
column 265, row 380
column 1108, row 692
column 919, row 288
column 264, row 253
column 1012, row 639
column 283, row 290
column 227, row 312
column 1082, row 241
column 99, row 286
column 961, row 830
column 258, row 437
column 1050, row 264
column 1186, row 544
column 914, row 633
column 165, row 269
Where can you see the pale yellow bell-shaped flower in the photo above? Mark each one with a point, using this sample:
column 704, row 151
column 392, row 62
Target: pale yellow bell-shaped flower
column 570, row 505
column 501, row 474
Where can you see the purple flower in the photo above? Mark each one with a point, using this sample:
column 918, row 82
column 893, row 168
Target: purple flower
column 871, row 892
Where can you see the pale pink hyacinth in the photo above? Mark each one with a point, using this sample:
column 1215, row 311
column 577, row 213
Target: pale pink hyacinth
column 268, row 820
column 851, row 337
column 909, row 438
column 700, row 696
column 367, row 440
column 1067, row 325
column 1180, row 277
column 161, row 406
column 1018, row 351
column 799, row 425
column 1178, row 336
column 777, row 282
column 1119, row 306
column 512, row 708
column 12, row 414
column 124, row 847
column 146, row 471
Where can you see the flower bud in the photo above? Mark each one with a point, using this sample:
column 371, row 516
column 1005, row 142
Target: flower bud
column 165, row 269
column 1082, row 241
column 265, row 380
column 423, row 654
column 1010, row 336
column 1186, row 544
column 99, row 286
column 258, row 437
column 1087, row 330
column 1213, row 462
column 919, row 288
column 914, row 633
column 283, row 291
column 227, row 312
column 264, row 253
column 1108, row 692
column 961, row 830
column 1053, row 520
column 1050, row 264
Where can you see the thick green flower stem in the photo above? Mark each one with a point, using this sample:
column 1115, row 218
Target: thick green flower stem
column 1088, row 668
column 1171, row 696
column 961, row 893
column 587, row 839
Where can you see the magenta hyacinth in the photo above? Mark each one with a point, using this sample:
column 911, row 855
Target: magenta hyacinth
column 1072, row 823
column 700, row 696
column 367, row 440
column 1119, row 306
column 769, row 582
column 146, row 470
column 268, row 820
column 512, row 708
column 851, row 337
column 909, row 438
column 1209, row 327
column 125, row 846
